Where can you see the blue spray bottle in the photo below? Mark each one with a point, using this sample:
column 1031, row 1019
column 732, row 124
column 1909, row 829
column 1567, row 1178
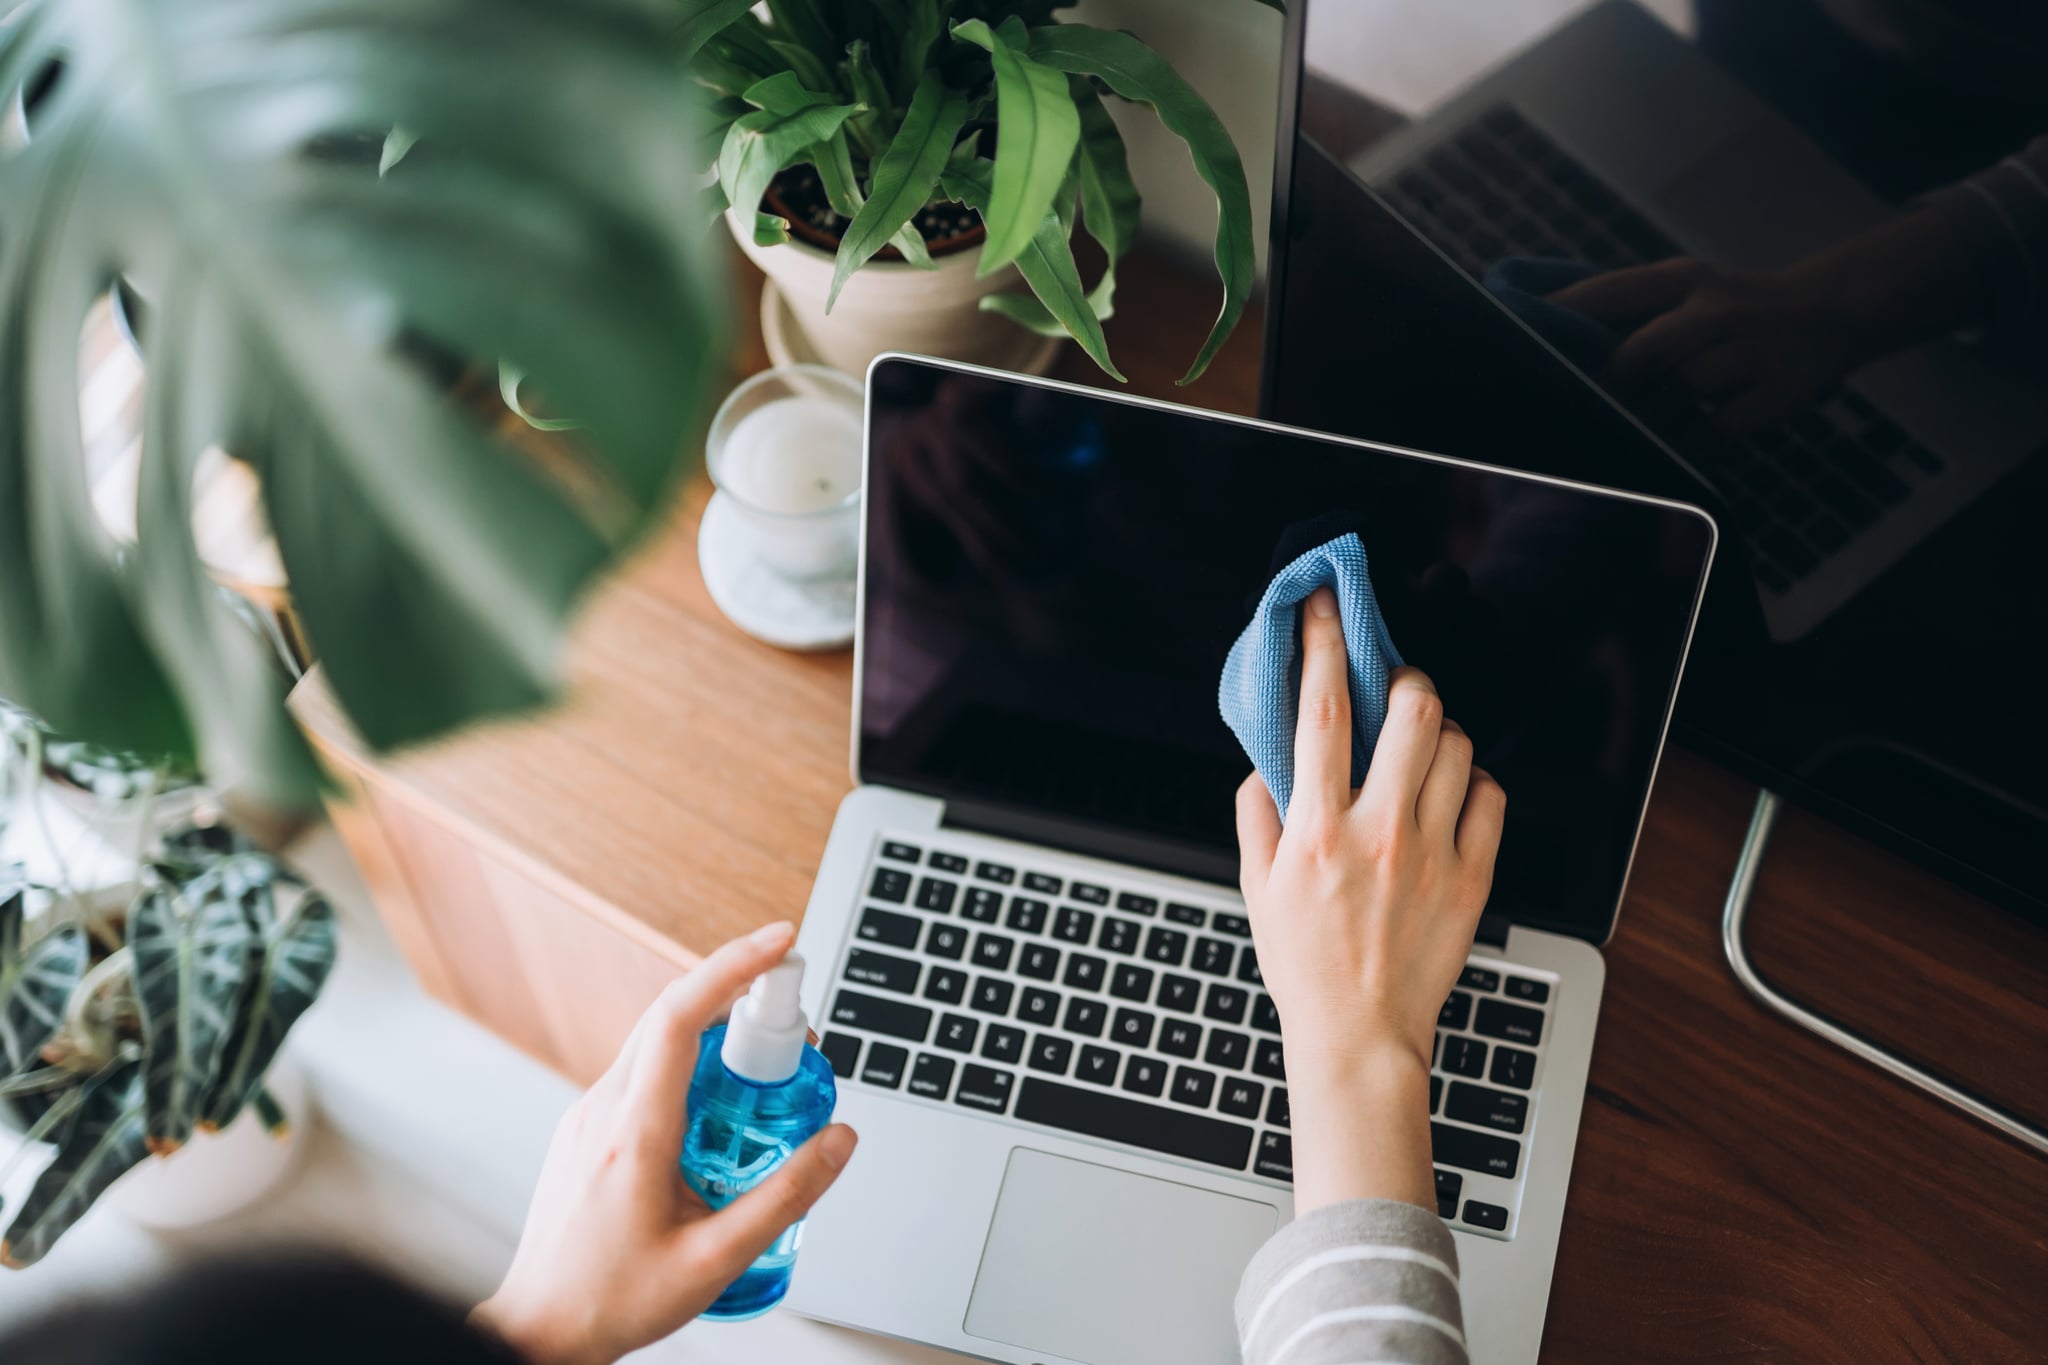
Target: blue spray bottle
column 760, row 1092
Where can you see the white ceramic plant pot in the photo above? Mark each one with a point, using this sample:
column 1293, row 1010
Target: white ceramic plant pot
column 890, row 306
column 216, row 1175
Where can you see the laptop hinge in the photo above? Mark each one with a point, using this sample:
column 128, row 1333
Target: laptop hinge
column 1092, row 838
column 1493, row 931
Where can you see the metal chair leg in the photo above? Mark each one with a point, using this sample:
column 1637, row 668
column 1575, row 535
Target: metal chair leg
column 1732, row 917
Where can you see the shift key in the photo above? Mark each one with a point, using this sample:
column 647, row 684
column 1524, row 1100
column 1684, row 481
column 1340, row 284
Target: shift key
column 872, row 1014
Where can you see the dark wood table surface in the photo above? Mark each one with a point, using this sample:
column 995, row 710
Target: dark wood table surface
column 1742, row 1190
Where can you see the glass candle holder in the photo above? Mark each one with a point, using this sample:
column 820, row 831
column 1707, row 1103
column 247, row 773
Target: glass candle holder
column 785, row 448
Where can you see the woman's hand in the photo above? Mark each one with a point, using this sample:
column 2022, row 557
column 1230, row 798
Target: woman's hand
column 618, row 1252
column 1363, row 909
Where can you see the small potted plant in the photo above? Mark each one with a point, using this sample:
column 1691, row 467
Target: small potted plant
column 148, row 1025
column 894, row 166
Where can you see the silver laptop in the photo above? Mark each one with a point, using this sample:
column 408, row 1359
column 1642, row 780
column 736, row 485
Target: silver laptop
column 1032, row 971
column 1614, row 142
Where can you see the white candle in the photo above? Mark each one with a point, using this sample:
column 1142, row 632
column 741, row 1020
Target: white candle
column 794, row 456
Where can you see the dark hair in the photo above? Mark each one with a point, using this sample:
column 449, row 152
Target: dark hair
column 301, row 1307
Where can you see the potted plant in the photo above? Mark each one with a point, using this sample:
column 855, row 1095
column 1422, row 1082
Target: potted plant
column 894, row 165
column 132, row 1029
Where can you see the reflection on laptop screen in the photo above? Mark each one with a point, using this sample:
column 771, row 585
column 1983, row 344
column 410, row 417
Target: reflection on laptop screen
column 1054, row 580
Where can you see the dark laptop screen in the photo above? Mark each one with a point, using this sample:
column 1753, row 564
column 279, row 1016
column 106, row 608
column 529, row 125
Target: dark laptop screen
column 1053, row 579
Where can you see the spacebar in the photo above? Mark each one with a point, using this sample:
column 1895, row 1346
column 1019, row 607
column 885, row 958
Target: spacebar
column 1150, row 1126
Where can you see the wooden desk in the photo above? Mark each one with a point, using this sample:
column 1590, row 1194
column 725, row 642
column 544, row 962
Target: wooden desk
column 1742, row 1191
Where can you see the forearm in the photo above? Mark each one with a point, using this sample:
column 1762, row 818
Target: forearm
column 1360, row 1125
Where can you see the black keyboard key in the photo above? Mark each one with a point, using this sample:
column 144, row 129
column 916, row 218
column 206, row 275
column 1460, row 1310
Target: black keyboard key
column 1039, row 1007
column 1277, row 1112
column 936, row 895
column 1479, row 979
column 1269, row 1060
column 1145, row 1075
column 984, row 1088
column 1514, row 1023
column 890, row 884
column 1436, row 1092
column 992, row 995
column 949, row 862
column 1214, row 956
column 1180, row 1038
column 1474, row 1151
column 885, row 1065
column 1193, row 1137
column 1089, row 894
column 1522, row 988
column 1448, row 1184
column 933, row 1075
column 1072, row 926
column 1098, row 1064
column 946, row 940
column 1237, row 926
column 1043, row 884
column 1182, row 993
column 1027, row 916
column 1464, row 1056
column 1131, row 982
column 1168, row 946
column 1003, row 1044
column 982, row 905
column 1226, row 1004
column 1227, row 1049
column 1248, row 968
column 902, row 853
column 880, row 969
column 1084, row 973
column 842, row 1050
column 1240, row 1097
column 947, row 985
column 873, row 1014
column 995, row 872
column 1193, row 1087
column 1051, row 1054
column 1276, row 1156
column 1039, row 962
column 1136, row 904
column 1085, row 1017
column 957, row 1033
column 1487, row 1108
column 1186, row 914
column 1265, row 1015
column 1118, row 935
column 1492, row 1217
column 1512, row 1066
column 993, row 951
column 889, row 928
column 1132, row 1028
column 1457, row 1011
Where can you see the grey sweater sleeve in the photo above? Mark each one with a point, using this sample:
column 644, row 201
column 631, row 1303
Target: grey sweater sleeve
column 2002, row 214
column 1369, row 1281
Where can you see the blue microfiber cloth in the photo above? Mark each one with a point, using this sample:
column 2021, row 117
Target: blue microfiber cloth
column 1261, row 690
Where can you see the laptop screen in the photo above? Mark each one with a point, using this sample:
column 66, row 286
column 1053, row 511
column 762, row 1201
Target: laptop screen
column 1053, row 578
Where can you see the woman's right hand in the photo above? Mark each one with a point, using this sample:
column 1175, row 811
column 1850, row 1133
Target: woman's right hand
column 1363, row 909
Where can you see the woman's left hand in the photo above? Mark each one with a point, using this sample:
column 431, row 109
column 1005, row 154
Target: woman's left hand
column 618, row 1251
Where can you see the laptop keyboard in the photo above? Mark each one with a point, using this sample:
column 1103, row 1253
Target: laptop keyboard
column 1798, row 493
column 1116, row 1014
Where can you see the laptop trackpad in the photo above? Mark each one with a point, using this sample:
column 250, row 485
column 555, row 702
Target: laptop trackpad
column 1101, row 1265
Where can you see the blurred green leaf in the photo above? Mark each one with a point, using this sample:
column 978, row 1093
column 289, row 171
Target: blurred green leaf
column 193, row 947
column 1037, row 131
column 1137, row 73
column 104, row 1142
column 700, row 20
column 903, row 180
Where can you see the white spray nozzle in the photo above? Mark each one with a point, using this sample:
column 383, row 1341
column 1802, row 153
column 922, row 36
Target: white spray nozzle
column 764, row 1042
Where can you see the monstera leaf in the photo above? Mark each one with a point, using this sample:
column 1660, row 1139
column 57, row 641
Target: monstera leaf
column 193, row 948
column 36, row 979
column 222, row 157
column 105, row 1139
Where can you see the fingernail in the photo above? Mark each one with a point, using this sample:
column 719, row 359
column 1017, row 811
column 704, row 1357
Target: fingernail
column 1322, row 602
column 836, row 1145
column 768, row 934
